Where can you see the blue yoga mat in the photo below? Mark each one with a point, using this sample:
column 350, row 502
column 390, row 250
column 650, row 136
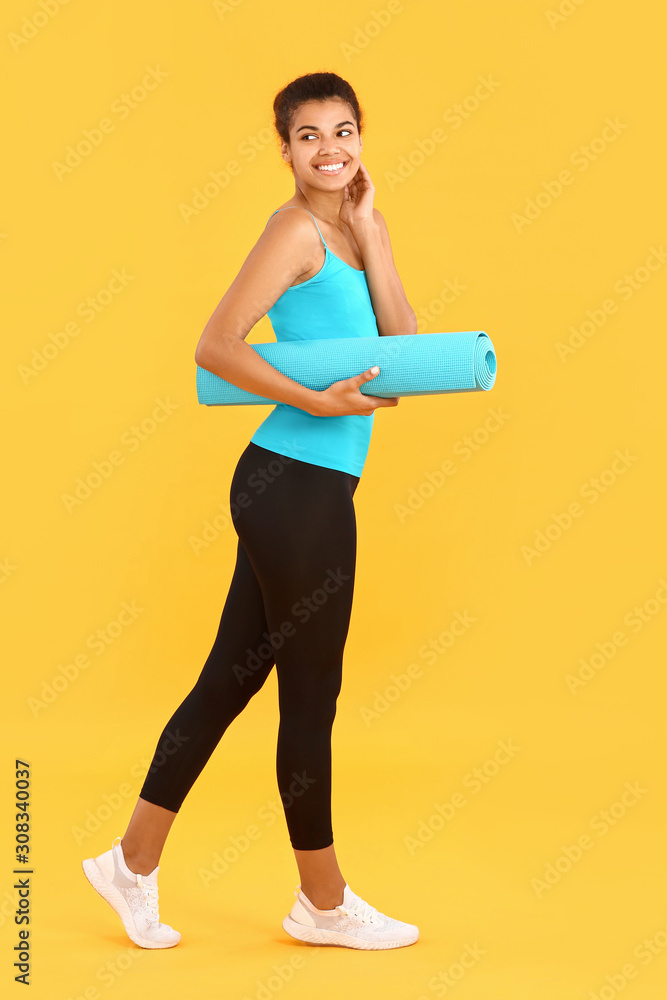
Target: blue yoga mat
column 411, row 365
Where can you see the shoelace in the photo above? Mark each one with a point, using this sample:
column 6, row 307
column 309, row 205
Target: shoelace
column 361, row 909
column 151, row 896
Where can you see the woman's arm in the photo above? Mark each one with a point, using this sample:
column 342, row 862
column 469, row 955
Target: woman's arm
column 392, row 310
column 288, row 247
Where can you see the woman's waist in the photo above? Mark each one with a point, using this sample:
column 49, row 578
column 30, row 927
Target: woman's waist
column 285, row 411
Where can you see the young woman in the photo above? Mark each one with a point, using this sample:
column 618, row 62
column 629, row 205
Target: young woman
column 323, row 267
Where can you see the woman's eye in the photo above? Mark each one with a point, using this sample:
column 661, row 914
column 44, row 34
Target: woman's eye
column 308, row 134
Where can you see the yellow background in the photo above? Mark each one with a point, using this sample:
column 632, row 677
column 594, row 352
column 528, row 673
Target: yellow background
column 474, row 883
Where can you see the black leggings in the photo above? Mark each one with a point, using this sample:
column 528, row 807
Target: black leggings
column 288, row 604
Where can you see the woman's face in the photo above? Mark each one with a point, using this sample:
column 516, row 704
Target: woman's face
column 324, row 132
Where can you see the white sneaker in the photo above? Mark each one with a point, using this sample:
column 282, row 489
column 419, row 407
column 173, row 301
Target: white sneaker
column 134, row 899
column 352, row 924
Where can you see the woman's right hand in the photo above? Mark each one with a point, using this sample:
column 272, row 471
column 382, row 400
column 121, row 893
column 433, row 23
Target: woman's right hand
column 344, row 398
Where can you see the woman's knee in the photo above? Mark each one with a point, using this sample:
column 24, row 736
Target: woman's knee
column 312, row 714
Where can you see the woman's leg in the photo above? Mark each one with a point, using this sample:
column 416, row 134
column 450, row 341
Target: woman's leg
column 145, row 836
column 301, row 541
column 236, row 668
column 302, row 533
column 321, row 878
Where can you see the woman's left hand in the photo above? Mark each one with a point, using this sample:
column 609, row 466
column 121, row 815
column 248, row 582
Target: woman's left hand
column 358, row 198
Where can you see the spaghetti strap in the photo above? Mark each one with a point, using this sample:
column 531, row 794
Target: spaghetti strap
column 309, row 213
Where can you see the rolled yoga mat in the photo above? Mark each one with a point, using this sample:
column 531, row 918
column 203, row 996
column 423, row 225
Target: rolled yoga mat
column 410, row 365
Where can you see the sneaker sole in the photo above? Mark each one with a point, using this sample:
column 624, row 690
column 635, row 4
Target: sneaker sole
column 118, row 904
column 316, row 935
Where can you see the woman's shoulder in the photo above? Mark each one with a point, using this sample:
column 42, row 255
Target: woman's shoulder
column 298, row 221
column 282, row 209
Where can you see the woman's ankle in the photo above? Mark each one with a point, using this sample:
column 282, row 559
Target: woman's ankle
column 324, row 898
column 139, row 864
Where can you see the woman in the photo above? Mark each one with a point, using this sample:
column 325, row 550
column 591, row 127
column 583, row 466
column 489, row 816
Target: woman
column 323, row 267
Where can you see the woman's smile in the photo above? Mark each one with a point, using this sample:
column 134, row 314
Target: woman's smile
column 332, row 166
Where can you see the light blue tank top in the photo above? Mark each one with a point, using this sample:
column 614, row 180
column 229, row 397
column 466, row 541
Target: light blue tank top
column 335, row 302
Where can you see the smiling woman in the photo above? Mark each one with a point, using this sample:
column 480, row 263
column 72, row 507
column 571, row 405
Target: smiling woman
column 322, row 270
